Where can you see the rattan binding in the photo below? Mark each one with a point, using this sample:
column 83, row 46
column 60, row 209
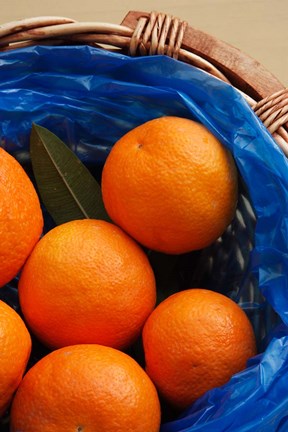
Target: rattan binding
column 142, row 33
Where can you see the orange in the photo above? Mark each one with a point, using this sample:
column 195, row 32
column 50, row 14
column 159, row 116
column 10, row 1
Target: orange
column 195, row 340
column 171, row 185
column 86, row 388
column 21, row 220
column 15, row 345
column 87, row 281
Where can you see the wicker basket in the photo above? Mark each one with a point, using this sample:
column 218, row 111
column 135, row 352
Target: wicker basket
column 142, row 34
column 157, row 33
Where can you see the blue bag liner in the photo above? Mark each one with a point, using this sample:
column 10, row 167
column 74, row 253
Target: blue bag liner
column 90, row 97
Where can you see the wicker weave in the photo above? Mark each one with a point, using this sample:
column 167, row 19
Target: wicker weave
column 155, row 34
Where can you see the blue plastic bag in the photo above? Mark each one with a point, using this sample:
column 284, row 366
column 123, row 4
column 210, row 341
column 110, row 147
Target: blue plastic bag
column 90, row 98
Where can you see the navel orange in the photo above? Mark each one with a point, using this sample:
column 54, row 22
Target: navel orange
column 195, row 340
column 15, row 345
column 87, row 281
column 171, row 185
column 21, row 220
column 86, row 388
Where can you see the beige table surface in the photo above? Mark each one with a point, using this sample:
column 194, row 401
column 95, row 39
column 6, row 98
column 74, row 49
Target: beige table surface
column 257, row 27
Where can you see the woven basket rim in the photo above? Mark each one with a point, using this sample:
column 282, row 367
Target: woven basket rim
column 142, row 33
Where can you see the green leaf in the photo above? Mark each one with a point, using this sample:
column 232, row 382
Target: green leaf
column 66, row 187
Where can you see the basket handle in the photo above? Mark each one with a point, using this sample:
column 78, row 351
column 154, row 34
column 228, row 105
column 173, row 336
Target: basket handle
column 157, row 33
column 241, row 70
